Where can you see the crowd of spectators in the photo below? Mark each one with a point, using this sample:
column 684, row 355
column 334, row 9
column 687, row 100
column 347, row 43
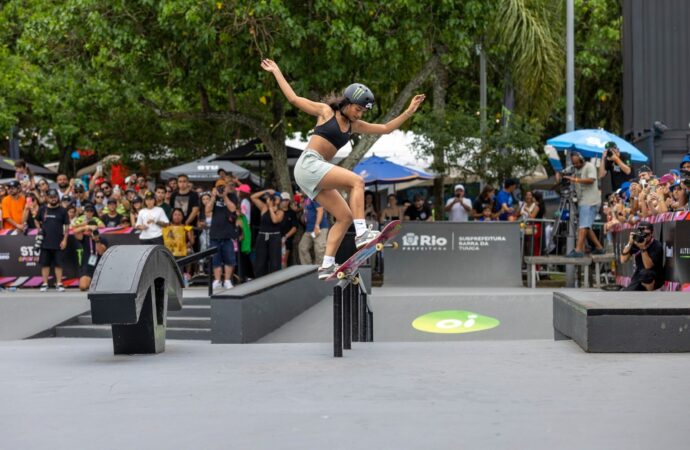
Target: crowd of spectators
column 263, row 231
column 257, row 233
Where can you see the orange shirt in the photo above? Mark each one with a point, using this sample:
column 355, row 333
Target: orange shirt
column 13, row 209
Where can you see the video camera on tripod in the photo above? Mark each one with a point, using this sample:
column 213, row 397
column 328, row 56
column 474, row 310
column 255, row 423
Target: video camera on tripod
column 565, row 186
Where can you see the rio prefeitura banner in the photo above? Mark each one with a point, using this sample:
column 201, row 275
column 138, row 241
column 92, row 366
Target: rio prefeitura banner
column 452, row 254
column 673, row 231
column 19, row 265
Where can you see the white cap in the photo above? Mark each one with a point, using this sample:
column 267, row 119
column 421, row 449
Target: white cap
column 459, row 186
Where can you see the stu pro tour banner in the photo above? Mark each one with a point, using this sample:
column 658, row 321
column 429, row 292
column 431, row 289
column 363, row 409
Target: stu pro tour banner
column 19, row 260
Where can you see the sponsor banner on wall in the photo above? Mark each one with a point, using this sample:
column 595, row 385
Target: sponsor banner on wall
column 466, row 254
column 19, row 264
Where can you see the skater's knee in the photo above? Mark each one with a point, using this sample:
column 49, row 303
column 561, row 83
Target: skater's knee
column 345, row 218
column 358, row 182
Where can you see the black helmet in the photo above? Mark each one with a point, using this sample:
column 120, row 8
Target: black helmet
column 359, row 94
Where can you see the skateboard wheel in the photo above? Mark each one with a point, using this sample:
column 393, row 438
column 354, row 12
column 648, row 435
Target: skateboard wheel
column 394, row 245
column 379, row 247
column 355, row 281
column 341, row 275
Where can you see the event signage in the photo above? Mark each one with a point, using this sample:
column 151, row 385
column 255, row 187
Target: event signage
column 19, row 259
column 461, row 254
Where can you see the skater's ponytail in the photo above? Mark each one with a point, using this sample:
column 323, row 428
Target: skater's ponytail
column 335, row 101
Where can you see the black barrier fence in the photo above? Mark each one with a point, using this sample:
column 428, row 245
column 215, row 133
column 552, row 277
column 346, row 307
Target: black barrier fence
column 19, row 259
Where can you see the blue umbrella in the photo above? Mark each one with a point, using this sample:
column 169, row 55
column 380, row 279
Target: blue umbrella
column 377, row 170
column 590, row 143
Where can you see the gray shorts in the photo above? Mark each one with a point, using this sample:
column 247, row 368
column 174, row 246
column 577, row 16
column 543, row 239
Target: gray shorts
column 309, row 170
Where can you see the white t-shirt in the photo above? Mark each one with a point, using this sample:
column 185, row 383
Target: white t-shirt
column 157, row 215
column 457, row 213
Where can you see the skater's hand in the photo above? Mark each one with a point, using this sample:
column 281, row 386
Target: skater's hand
column 270, row 66
column 317, row 230
column 417, row 100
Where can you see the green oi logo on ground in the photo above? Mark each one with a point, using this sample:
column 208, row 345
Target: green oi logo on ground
column 454, row 321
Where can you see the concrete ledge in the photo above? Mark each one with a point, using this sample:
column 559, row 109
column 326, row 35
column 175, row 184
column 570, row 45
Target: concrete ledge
column 623, row 322
column 250, row 311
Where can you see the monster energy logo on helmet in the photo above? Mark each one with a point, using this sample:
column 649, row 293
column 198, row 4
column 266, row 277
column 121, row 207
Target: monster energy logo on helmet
column 359, row 94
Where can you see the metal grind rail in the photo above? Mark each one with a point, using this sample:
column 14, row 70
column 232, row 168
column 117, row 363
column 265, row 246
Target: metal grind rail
column 207, row 256
column 353, row 321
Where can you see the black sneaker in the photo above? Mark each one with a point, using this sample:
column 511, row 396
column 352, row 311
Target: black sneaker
column 599, row 251
column 575, row 254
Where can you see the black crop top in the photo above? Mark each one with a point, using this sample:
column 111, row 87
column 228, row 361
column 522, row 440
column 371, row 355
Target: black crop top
column 330, row 130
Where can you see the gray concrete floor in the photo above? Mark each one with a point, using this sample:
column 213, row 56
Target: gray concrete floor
column 536, row 394
column 523, row 313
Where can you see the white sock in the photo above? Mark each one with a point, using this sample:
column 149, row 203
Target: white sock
column 328, row 261
column 360, row 226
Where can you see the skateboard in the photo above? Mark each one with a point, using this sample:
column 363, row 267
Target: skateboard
column 349, row 267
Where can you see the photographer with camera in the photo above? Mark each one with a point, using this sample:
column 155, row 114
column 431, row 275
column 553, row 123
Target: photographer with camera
column 91, row 247
column 224, row 213
column 615, row 163
column 589, row 199
column 649, row 259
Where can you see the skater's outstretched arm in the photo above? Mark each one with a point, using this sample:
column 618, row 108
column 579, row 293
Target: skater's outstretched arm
column 308, row 106
column 363, row 127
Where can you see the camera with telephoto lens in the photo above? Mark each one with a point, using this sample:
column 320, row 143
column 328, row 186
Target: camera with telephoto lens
column 639, row 237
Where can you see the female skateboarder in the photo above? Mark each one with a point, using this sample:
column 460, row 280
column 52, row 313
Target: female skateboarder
column 337, row 119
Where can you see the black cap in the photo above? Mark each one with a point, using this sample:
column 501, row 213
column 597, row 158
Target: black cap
column 13, row 183
column 52, row 193
column 137, row 199
column 89, row 207
column 643, row 169
column 112, row 200
column 645, row 225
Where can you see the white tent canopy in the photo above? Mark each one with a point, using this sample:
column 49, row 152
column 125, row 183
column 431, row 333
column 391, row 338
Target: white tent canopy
column 397, row 147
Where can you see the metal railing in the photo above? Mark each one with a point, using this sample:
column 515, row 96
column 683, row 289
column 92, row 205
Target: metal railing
column 353, row 321
column 547, row 241
column 207, row 256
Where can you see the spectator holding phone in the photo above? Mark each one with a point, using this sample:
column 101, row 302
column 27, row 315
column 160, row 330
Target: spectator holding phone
column 458, row 207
